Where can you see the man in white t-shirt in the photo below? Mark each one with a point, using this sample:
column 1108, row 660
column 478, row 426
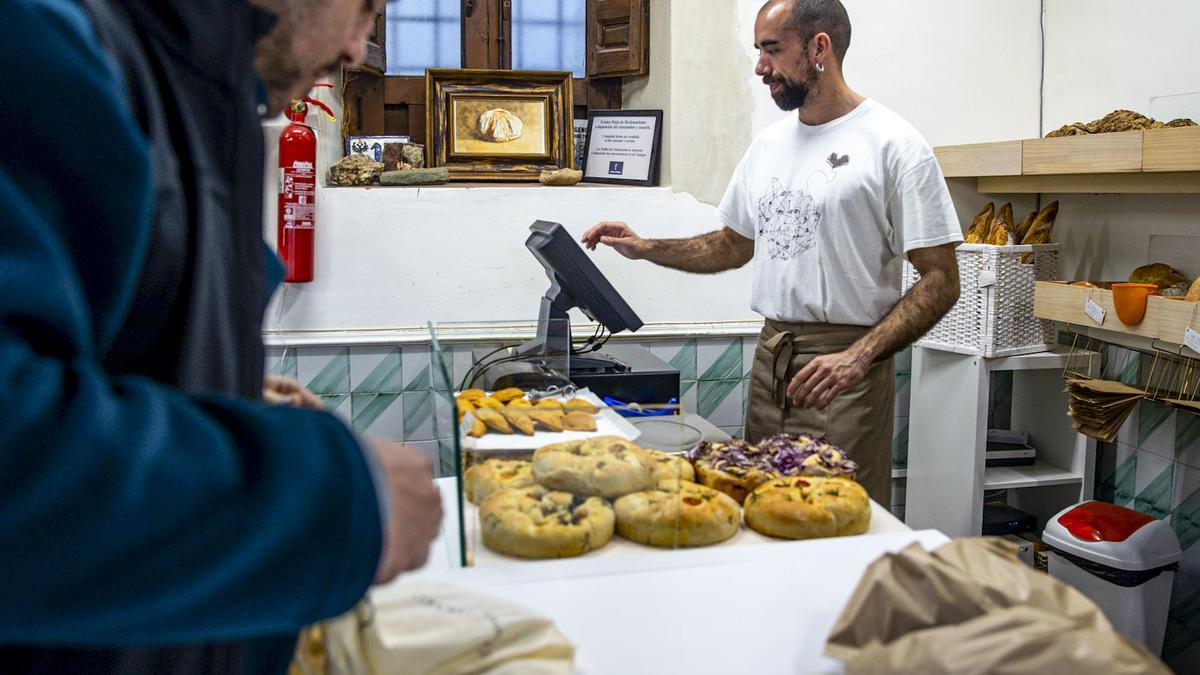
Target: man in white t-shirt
column 828, row 203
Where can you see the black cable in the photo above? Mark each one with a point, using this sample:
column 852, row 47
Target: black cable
column 482, row 360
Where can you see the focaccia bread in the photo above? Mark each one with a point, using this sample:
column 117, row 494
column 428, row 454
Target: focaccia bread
column 735, row 468
column 671, row 466
column 492, row 475
column 536, row 522
column 606, row 466
column 808, row 507
column 677, row 514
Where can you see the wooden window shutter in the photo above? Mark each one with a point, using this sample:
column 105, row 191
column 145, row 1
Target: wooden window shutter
column 618, row 38
column 376, row 60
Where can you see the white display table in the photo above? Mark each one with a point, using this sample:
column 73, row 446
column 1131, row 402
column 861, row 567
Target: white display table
column 725, row 609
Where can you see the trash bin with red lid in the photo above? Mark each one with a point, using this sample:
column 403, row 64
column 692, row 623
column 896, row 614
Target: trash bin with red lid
column 1121, row 559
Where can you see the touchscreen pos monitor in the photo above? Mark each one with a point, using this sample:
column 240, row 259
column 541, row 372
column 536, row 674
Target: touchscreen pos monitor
column 575, row 281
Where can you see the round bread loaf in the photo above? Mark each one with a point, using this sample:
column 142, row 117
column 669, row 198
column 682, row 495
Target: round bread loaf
column 535, row 522
column 677, row 514
column 808, row 507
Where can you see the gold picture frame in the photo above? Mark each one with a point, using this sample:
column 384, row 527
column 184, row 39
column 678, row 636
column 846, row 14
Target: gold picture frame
column 499, row 124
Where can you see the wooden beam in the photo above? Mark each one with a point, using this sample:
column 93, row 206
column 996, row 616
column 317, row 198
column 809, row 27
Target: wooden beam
column 1171, row 149
column 980, row 159
column 1098, row 153
column 1094, row 183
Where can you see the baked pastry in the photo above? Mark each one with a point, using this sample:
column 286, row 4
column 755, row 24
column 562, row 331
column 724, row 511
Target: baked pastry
column 1193, row 293
column 518, row 419
column 1160, row 274
column 980, row 225
column 580, row 404
column 1023, row 227
column 551, row 403
column 508, row 394
column 677, row 514
column 488, row 402
column 805, row 455
column 464, row 406
column 549, row 419
column 471, row 394
column 477, row 428
column 1006, row 216
column 671, row 466
column 999, row 235
column 735, row 468
column 536, row 522
column 579, row 420
column 481, row 480
column 494, row 420
column 607, row 466
column 520, row 403
column 807, row 507
column 1043, row 225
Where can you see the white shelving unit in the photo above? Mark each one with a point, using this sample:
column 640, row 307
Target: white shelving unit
column 948, row 433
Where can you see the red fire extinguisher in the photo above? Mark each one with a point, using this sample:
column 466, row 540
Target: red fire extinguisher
column 298, row 191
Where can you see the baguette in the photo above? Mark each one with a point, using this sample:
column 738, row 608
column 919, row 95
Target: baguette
column 980, row 226
column 998, row 235
column 1023, row 227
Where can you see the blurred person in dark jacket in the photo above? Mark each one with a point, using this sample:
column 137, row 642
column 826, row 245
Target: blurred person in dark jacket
column 157, row 515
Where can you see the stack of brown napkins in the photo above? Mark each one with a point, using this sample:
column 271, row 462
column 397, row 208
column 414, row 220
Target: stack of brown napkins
column 972, row 607
column 1099, row 407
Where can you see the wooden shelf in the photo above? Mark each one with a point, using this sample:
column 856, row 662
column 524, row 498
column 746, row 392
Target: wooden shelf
column 1037, row 475
column 1156, row 161
column 1166, row 319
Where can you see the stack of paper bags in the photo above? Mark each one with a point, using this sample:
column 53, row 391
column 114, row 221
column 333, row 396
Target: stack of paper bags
column 1099, row 407
column 972, row 607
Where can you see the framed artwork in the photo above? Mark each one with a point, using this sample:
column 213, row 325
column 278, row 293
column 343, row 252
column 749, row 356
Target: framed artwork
column 623, row 147
column 498, row 124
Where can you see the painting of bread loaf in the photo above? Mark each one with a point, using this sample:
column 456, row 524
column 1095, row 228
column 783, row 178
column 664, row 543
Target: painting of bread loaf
column 491, row 126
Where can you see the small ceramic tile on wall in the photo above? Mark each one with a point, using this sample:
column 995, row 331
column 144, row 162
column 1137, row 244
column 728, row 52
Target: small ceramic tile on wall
column 719, row 359
column 418, row 416
column 376, row 368
column 1153, row 483
column 1156, row 428
column 1187, row 438
column 343, row 411
column 281, row 361
column 679, row 353
column 749, row 344
column 417, row 375
column 378, row 414
column 688, row 398
column 720, row 402
column 445, row 421
column 324, row 370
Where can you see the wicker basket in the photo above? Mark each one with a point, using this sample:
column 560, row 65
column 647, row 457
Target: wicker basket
column 994, row 312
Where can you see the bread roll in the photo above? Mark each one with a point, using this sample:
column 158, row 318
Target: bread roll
column 1160, row 274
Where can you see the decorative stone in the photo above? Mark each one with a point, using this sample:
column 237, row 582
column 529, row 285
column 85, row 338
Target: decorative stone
column 560, row 177
column 499, row 125
column 415, row 176
column 393, row 156
column 414, row 154
column 355, row 170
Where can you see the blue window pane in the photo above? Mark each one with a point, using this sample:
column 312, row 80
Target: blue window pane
column 423, row 34
column 548, row 35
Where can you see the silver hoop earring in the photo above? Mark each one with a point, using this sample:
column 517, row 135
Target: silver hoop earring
column 820, row 68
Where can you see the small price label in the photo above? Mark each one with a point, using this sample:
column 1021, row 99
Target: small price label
column 1095, row 311
column 1192, row 339
column 987, row 278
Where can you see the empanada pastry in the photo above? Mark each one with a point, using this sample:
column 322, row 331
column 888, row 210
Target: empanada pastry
column 494, row 420
column 579, row 420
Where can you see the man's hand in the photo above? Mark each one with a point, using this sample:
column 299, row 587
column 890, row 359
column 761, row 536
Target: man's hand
column 824, row 377
column 280, row 390
column 618, row 235
column 415, row 512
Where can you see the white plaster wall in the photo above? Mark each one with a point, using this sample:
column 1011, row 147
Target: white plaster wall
column 398, row 257
column 1108, row 54
column 960, row 72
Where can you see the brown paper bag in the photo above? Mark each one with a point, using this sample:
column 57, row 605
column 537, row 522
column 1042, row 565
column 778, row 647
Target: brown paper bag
column 972, row 607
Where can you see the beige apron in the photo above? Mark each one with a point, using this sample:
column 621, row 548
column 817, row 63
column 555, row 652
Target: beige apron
column 859, row 419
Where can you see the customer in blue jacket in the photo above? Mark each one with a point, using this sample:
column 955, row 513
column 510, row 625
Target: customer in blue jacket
column 153, row 517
